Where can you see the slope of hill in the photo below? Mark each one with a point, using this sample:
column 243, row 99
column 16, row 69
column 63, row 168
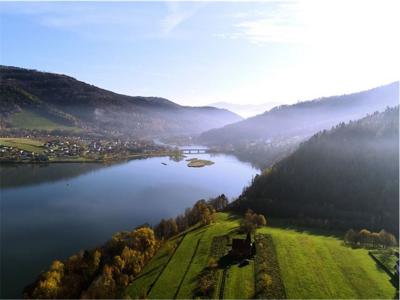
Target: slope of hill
column 196, row 263
column 346, row 177
column 309, row 265
column 69, row 102
column 264, row 138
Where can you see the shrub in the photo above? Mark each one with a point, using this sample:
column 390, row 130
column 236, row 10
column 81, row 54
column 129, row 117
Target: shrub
column 212, row 263
column 266, row 280
column 207, row 283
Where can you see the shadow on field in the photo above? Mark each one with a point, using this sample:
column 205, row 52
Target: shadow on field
column 395, row 283
column 225, row 261
column 292, row 225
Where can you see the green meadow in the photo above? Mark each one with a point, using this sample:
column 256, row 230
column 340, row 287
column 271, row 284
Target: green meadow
column 23, row 144
column 239, row 283
column 318, row 266
column 311, row 266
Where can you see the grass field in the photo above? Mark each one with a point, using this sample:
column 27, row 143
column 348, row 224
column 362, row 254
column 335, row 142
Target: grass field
column 315, row 266
column 200, row 261
column 173, row 274
column 23, row 144
column 239, row 282
column 311, row 266
column 151, row 272
column 31, row 120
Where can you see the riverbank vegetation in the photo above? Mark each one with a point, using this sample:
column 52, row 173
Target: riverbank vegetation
column 191, row 256
column 98, row 273
column 105, row 272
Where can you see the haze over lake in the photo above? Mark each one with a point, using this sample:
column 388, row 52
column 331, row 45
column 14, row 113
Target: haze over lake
column 51, row 212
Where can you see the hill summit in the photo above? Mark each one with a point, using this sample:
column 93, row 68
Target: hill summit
column 65, row 101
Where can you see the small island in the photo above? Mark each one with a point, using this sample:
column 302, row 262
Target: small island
column 199, row 163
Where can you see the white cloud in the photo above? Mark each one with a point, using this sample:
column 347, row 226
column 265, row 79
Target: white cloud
column 312, row 21
column 334, row 47
column 178, row 13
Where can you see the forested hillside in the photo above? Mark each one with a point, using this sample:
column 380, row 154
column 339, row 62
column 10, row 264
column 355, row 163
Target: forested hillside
column 66, row 101
column 345, row 177
column 267, row 138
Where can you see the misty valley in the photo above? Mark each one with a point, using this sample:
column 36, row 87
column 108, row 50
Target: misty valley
column 116, row 199
column 199, row 149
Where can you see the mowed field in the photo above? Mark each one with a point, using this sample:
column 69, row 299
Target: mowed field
column 23, row 144
column 316, row 266
column 311, row 266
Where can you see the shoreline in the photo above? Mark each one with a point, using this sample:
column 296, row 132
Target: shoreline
column 83, row 160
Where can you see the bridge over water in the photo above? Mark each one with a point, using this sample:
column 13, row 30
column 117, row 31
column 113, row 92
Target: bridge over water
column 194, row 150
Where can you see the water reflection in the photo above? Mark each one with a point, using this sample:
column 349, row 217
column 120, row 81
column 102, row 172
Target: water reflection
column 53, row 211
column 18, row 175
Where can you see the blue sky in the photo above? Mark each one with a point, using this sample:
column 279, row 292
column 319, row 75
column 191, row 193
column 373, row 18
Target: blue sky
column 196, row 53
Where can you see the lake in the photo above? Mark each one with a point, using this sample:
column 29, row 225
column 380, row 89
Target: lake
column 52, row 211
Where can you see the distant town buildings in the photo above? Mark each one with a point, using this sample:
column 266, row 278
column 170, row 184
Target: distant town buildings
column 58, row 147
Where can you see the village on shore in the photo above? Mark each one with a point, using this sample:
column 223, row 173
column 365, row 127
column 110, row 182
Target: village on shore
column 58, row 148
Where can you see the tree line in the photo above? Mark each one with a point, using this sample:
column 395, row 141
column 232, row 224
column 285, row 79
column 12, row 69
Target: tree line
column 202, row 212
column 251, row 222
column 343, row 178
column 104, row 272
column 367, row 238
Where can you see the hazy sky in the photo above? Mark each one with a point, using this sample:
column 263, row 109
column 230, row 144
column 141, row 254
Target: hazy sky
column 196, row 53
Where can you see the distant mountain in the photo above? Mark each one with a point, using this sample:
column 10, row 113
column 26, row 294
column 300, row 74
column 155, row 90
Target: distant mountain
column 245, row 110
column 54, row 99
column 305, row 118
column 346, row 177
column 271, row 136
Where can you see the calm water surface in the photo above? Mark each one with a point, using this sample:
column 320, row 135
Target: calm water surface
column 53, row 211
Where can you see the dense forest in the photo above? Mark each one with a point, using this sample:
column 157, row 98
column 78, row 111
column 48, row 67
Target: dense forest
column 346, row 177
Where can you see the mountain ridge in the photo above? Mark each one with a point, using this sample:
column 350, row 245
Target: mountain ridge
column 101, row 109
column 353, row 105
column 267, row 138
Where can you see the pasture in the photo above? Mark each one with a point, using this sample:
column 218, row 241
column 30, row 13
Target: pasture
column 26, row 144
column 317, row 266
column 309, row 266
